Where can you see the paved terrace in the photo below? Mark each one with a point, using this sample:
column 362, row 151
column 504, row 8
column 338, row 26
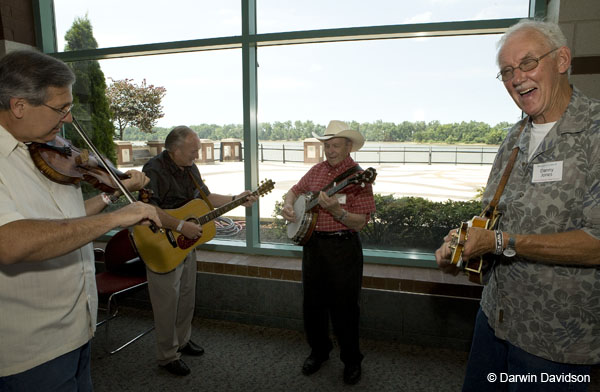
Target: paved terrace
column 437, row 182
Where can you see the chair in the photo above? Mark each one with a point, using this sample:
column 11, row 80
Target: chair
column 125, row 274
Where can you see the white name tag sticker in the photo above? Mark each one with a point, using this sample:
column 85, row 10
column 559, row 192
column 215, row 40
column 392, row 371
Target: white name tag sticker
column 547, row 172
column 341, row 198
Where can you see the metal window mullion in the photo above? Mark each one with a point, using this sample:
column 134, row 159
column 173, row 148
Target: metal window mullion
column 250, row 94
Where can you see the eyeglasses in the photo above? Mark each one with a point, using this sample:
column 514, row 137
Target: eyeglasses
column 526, row 65
column 63, row 112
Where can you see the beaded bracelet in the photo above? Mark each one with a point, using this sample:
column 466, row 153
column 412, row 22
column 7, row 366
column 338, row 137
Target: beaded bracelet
column 499, row 242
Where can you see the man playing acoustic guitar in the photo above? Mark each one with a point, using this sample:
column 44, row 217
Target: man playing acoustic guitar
column 332, row 259
column 175, row 180
column 540, row 307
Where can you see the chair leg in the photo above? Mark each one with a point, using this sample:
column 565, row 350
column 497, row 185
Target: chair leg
column 113, row 314
column 131, row 341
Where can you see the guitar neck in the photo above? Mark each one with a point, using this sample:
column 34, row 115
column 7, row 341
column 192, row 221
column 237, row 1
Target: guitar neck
column 217, row 212
column 331, row 191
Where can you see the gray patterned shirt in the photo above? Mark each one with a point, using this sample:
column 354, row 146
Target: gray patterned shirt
column 552, row 311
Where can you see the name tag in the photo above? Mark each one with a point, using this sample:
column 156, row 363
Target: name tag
column 341, row 198
column 547, row 172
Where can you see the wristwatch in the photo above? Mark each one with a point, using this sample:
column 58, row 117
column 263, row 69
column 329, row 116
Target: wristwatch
column 510, row 248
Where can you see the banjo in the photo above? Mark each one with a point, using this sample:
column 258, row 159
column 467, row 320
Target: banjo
column 306, row 213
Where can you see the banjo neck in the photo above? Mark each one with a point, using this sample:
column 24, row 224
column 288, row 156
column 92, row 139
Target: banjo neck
column 314, row 200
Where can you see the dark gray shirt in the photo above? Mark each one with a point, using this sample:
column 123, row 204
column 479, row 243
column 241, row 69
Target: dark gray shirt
column 171, row 186
column 552, row 311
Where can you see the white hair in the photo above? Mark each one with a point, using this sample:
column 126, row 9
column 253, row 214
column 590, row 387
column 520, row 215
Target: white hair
column 549, row 30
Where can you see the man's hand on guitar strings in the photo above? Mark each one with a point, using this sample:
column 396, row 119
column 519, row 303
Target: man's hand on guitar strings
column 479, row 241
column 442, row 258
column 444, row 253
column 191, row 230
column 251, row 199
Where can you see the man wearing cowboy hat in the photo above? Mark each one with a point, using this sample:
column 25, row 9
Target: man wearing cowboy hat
column 332, row 259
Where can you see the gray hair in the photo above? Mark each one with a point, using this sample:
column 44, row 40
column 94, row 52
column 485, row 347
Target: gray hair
column 549, row 30
column 28, row 74
column 176, row 138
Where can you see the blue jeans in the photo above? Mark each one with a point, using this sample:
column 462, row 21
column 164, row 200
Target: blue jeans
column 68, row 373
column 496, row 365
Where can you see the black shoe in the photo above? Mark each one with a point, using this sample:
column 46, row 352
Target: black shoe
column 352, row 373
column 192, row 348
column 312, row 364
column 177, row 367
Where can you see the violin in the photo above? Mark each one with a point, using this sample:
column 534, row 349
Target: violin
column 64, row 163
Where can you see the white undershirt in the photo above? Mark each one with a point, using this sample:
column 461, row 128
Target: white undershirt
column 538, row 132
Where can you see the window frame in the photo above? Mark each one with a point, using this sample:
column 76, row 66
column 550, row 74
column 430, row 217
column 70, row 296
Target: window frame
column 249, row 41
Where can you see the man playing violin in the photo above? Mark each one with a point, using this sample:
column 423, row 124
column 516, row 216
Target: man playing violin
column 540, row 308
column 175, row 180
column 47, row 279
column 332, row 259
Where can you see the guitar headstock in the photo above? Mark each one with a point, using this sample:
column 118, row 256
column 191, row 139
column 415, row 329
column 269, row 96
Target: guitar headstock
column 265, row 187
column 457, row 243
column 366, row 177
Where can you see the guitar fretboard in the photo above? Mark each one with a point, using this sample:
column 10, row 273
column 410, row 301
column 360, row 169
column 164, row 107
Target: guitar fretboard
column 217, row 212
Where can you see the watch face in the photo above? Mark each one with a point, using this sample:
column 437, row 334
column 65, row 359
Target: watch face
column 509, row 252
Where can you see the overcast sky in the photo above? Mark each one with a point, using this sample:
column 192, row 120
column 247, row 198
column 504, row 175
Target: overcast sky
column 424, row 79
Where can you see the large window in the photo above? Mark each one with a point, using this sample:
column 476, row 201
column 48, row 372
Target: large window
column 388, row 68
column 134, row 22
column 449, row 80
column 291, row 15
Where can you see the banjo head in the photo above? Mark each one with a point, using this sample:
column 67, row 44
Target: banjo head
column 299, row 209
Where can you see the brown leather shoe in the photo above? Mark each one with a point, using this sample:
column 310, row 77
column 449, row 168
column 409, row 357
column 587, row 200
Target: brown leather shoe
column 192, row 348
column 177, row 367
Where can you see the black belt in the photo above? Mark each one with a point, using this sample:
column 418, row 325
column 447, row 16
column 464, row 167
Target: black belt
column 334, row 234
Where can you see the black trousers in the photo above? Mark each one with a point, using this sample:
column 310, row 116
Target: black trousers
column 332, row 269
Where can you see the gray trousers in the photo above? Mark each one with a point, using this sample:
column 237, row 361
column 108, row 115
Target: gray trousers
column 173, row 297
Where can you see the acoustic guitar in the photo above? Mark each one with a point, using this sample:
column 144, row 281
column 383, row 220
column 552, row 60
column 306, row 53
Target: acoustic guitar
column 306, row 211
column 164, row 252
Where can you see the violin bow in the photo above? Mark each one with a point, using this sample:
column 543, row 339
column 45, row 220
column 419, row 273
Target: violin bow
column 112, row 175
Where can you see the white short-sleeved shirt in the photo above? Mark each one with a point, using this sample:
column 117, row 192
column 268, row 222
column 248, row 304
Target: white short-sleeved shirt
column 46, row 308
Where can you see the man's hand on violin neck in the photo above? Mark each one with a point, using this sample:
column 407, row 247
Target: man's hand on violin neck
column 136, row 181
column 137, row 213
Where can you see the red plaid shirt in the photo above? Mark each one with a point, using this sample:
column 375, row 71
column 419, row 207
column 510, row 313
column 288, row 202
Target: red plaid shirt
column 359, row 200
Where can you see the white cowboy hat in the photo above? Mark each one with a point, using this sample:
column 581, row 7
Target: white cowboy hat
column 341, row 129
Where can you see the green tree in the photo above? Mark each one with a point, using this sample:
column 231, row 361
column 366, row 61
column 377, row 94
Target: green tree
column 89, row 92
column 135, row 105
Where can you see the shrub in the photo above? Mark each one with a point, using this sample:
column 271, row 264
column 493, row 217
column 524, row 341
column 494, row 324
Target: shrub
column 402, row 223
